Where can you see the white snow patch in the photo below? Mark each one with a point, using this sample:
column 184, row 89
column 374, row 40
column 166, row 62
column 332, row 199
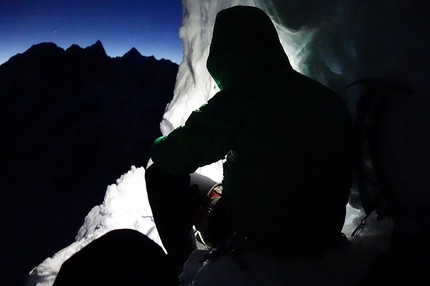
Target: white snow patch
column 125, row 205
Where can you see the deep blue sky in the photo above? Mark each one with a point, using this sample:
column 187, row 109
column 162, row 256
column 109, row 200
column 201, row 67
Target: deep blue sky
column 151, row 26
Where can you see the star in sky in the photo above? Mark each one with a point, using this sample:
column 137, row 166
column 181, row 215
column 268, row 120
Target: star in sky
column 151, row 26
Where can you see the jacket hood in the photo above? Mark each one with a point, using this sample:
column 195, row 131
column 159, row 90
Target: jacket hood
column 244, row 41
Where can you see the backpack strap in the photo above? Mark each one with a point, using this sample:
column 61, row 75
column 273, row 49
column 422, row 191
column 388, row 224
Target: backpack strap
column 367, row 125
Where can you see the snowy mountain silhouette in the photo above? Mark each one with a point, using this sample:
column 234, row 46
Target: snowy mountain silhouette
column 71, row 122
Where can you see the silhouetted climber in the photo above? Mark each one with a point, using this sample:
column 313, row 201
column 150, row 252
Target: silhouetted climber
column 287, row 144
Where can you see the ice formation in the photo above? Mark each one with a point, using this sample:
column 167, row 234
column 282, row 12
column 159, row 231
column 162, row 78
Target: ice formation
column 334, row 42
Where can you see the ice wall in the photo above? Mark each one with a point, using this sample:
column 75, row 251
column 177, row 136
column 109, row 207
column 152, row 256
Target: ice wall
column 308, row 45
column 302, row 42
column 335, row 42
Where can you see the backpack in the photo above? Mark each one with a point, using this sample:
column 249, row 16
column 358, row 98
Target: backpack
column 407, row 257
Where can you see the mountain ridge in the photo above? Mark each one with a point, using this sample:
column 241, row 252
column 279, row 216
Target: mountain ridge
column 72, row 120
column 96, row 48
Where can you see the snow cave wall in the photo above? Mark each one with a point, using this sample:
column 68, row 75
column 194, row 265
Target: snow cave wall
column 335, row 42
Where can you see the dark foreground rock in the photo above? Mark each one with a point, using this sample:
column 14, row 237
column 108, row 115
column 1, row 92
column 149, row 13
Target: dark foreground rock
column 120, row 257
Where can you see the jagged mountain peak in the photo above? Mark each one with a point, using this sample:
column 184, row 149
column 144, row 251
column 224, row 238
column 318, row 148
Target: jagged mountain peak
column 97, row 48
column 74, row 47
column 132, row 53
column 41, row 48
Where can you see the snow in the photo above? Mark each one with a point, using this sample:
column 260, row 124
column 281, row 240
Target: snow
column 333, row 269
column 334, row 43
column 125, row 205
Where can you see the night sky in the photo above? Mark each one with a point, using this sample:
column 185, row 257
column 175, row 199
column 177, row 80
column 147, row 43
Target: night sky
column 151, row 26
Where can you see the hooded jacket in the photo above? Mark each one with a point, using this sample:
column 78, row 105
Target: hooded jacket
column 285, row 138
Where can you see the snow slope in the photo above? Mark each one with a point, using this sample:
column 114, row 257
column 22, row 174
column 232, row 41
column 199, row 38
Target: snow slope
column 125, row 206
